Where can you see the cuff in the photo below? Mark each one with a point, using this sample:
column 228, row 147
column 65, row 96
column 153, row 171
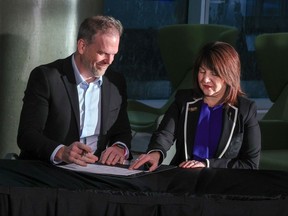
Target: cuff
column 161, row 155
column 52, row 157
column 207, row 163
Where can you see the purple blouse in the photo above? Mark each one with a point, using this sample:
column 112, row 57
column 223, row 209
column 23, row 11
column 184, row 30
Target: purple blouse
column 208, row 132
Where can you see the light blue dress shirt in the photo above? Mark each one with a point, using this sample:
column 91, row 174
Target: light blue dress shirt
column 89, row 95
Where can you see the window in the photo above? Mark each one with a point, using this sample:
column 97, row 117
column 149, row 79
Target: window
column 251, row 17
column 139, row 58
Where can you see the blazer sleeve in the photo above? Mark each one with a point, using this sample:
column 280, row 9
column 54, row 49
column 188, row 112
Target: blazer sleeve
column 168, row 131
column 33, row 118
column 50, row 111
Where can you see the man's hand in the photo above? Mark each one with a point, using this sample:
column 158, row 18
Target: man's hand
column 113, row 155
column 152, row 159
column 77, row 153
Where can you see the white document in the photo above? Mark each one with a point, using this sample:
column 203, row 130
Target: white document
column 101, row 169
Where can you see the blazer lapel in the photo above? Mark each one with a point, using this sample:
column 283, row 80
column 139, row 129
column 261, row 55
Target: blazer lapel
column 229, row 124
column 105, row 104
column 190, row 125
column 71, row 89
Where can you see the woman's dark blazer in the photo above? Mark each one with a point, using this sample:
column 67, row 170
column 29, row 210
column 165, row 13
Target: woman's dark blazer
column 240, row 142
column 50, row 113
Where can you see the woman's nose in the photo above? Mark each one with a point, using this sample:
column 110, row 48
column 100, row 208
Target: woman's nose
column 206, row 78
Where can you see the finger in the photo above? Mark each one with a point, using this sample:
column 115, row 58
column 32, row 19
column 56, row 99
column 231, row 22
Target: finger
column 85, row 159
column 84, row 147
column 139, row 162
column 116, row 159
column 90, row 158
column 132, row 165
column 111, row 158
column 71, row 156
column 188, row 164
column 192, row 164
column 199, row 164
column 112, row 155
column 78, row 149
column 153, row 166
column 121, row 160
column 182, row 164
column 104, row 156
column 185, row 164
column 80, row 162
column 134, row 162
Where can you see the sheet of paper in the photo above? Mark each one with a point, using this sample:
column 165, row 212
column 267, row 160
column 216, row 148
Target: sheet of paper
column 101, row 169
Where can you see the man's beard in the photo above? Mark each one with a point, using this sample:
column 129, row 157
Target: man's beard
column 94, row 70
column 98, row 72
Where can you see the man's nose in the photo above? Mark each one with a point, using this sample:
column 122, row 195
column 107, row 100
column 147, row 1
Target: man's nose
column 109, row 59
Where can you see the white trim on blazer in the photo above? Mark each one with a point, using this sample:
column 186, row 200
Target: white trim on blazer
column 185, row 130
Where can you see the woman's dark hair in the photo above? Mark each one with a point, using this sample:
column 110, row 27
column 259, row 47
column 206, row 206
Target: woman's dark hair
column 222, row 59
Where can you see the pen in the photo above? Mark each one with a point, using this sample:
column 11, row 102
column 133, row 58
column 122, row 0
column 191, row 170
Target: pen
column 84, row 153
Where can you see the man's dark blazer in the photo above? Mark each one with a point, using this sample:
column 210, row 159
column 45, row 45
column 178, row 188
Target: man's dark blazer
column 50, row 113
column 240, row 141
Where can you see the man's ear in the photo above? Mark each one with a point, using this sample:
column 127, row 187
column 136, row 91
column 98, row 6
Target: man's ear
column 81, row 45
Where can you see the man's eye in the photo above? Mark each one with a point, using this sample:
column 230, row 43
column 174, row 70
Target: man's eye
column 101, row 53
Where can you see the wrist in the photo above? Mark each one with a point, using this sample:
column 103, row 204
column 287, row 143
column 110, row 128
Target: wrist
column 121, row 147
column 58, row 155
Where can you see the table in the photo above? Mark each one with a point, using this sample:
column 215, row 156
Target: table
column 38, row 188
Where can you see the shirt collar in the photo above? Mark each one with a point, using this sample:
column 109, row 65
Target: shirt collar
column 78, row 76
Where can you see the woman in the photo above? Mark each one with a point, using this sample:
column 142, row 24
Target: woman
column 212, row 125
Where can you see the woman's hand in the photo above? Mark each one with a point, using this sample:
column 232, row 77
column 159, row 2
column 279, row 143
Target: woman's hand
column 152, row 159
column 192, row 164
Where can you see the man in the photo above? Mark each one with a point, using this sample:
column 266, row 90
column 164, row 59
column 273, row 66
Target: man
column 74, row 111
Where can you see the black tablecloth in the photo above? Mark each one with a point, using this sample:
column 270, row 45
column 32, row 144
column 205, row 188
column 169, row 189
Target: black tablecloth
column 37, row 188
